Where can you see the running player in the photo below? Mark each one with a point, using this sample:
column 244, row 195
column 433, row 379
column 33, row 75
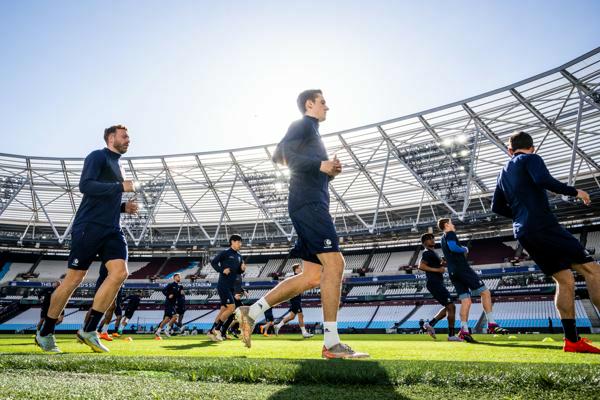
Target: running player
column 295, row 310
column 466, row 282
column 238, row 292
column 521, row 196
column 302, row 150
column 115, row 309
column 434, row 269
column 269, row 323
column 229, row 264
column 180, row 311
column 171, row 292
column 132, row 303
column 44, row 297
column 96, row 231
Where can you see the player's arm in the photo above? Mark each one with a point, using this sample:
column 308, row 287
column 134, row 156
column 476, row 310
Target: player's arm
column 499, row 204
column 423, row 266
column 288, row 151
column 453, row 245
column 216, row 262
column 541, row 176
column 243, row 267
column 89, row 183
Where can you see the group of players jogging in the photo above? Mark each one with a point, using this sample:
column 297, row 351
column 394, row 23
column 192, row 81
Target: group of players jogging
column 520, row 195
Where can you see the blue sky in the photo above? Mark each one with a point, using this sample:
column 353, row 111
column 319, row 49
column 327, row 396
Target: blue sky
column 200, row 76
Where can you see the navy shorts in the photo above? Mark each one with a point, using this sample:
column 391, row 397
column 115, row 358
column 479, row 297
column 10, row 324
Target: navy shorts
column 238, row 303
column 90, row 240
column 226, row 296
column 295, row 306
column 554, row 249
column 440, row 293
column 467, row 283
column 316, row 232
column 269, row 315
column 170, row 310
column 118, row 310
column 129, row 312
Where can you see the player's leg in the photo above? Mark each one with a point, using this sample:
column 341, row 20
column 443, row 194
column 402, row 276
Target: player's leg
column 564, row 300
column 229, row 310
column 289, row 317
column 591, row 273
column 451, row 315
column 305, row 333
column 106, row 322
column 59, row 300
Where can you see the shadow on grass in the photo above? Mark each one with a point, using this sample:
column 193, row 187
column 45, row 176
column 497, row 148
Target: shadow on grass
column 189, row 346
column 521, row 346
column 367, row 379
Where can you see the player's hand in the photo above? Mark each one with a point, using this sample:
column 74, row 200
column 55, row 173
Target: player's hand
column 128, row 186
column 331, row 167
column 170, row 296
column 131, row 207
column 466, row 250
column 584, row 196
column 226, row 271
column 443, row 263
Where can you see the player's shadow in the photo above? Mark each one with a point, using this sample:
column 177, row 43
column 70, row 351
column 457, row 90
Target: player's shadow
column 190, row 346
column 517, row 345
column 343, row 379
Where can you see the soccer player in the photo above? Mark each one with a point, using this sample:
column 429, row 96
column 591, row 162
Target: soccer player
column 238, row 292
column 466, row 282
column 171, row 292
column 180, row 311
column 302, row 150
column 44, row 296
column 133, row 302
column 521, row 196
column 295, row 310
column 229, row 264
column 96, row 231
column 269, row 322
column 434, row 269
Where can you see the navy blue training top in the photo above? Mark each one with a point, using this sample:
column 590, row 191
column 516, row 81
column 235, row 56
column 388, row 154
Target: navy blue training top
column 302, row 150
column 174, row 289
column 228, row 259
column 102, row 186
column 456, row 260
column 432, row 260
column 521, row 194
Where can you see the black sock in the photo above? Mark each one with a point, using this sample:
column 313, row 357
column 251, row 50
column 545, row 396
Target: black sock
column 212, row 328
column 570, row 329
column 92, row 324
column 227, row 324
column 219, row 325
column 451, row 331
column 433, row 322
column 48, row 326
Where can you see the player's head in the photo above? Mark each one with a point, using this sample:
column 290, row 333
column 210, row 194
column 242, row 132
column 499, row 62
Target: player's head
column 311, row 102
column 297, row 268
column 235, row 242
column 522, row 142
column 428, row 240
column 177, row 278
column 446, row 225
column 117, row 138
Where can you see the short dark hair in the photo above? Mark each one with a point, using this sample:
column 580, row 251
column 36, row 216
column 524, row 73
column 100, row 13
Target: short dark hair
column 235, row 238
column 295, row 267
column 442, row 223
column 310, row 94
column 112, row 129
column 426, row 236
column 520, row 140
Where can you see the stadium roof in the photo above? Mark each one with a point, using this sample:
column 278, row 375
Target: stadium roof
column 399, row 173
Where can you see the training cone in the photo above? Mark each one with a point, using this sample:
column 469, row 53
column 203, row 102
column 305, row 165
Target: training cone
column 496, row 335
column 512, row 337
column 129, row 339
column 548, row 339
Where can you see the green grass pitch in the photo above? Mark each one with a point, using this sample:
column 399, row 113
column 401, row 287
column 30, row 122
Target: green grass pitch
column 289, row 367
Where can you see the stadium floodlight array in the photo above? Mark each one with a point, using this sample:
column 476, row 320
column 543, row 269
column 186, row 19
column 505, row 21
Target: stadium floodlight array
column 400, row 175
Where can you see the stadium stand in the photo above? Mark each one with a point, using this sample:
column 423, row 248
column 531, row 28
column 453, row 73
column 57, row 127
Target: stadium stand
column 387, row 316
column 535, row 314
column 397, row 260
column 378, row 262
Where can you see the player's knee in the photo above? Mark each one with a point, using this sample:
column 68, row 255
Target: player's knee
column 451, row 307
column 120, row 275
